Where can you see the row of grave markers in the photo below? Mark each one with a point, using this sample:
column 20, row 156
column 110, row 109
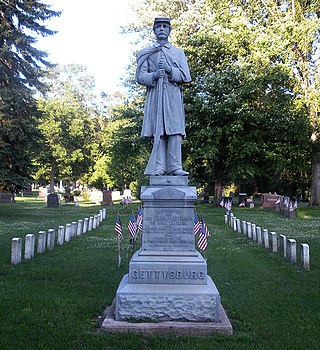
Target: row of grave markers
column 46, row 240
column 287, row 247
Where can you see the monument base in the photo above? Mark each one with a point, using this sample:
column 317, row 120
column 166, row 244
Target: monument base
column 167, row 302
column 110, row 325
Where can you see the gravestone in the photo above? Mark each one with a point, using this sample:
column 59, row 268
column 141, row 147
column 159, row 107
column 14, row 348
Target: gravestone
column 167, row 279
column 107, row 198
column 52, row 200
column 268, row 200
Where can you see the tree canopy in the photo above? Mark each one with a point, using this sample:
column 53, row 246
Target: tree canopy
column 20, row 72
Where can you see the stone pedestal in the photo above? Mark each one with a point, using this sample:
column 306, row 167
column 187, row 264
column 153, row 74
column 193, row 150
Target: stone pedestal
column 167, row 279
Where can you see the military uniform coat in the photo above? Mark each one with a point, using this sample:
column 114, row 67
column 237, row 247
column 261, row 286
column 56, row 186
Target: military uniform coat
column 173, row 117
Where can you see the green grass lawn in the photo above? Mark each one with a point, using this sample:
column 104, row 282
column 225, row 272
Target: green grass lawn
column 54, row 300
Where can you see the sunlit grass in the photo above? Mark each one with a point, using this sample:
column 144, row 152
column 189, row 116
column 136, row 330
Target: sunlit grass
column 54, row 300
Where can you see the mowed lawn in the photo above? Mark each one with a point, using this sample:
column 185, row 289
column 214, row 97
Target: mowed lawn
column 55, row 300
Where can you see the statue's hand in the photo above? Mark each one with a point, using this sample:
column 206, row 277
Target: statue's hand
column 163, row 64
column 159, row 73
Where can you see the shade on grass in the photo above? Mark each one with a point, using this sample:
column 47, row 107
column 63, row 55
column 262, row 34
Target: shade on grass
column 54, row 300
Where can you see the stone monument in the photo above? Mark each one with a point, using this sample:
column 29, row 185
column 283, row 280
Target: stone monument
column 167, row 279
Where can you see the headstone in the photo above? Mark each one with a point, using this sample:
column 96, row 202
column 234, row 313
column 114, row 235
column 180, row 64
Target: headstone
column 242, row 199
column 104, row 213
column 254, row 232
column 73, row 229
column 244, row 227
column 304, row 256
column 231, row 220
column 85, row 225
column 52, row 200
column 41, row 242
column 16, row 251
column 259, row 235
column 94, row 222
column 68, row 230
column 167, row 279
column 234, row 224
column 90, row 223
column 249, row 230
column 7, row 198
column 101, row 215
column 60, row 235
column 274, row 242
column 226, row 219
column 29, row 246
column 98, row 220
column 42, row 192
column 50, row 239
column 268, row 200
column 107, row 198
column 283, row 245
column 80, row 228
column 238, row 226
column 292, row 250
column 265, row 237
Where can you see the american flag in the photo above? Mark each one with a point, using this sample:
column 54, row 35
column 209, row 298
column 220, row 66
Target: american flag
column 202, row 241
column 140, row 219
column 196, row 224
column 118, row 226
column 132, row 226
column 222, row 203
column 295, row 206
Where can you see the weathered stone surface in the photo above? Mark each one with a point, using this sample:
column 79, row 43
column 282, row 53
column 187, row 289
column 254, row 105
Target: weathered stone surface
column 167, row 279
column 305, row 256
column 16, row 251
column 50, row 240
column 110, row 325
column 29, row 246
column 168, row 303
column 60, row 235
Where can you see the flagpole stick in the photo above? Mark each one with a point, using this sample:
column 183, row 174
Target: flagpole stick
column 119, row 252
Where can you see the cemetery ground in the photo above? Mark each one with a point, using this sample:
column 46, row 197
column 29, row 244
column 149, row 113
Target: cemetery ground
column 55, row 300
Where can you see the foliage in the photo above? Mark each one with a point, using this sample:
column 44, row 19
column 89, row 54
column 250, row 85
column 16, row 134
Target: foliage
column 20, row 71
column 123, row 152
column 67, row 125
column 246, row 121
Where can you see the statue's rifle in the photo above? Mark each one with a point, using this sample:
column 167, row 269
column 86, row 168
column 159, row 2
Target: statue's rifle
column 151, row 166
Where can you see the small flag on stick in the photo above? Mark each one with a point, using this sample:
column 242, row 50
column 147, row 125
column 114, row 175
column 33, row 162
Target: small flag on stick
column 118, row 226
column 140, row 219
column 196, row 224
column 132, row 226
column 202, row 241
column 118, row 229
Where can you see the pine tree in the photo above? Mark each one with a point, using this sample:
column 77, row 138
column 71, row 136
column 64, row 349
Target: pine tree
column 21, row 67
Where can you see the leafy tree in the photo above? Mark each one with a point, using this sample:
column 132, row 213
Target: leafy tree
column 124, row 152
column 296, row 23
column 67, row 126
column 242, row 97
column 20, row 72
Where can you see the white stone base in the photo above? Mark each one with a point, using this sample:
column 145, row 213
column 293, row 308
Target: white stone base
column 167, row 302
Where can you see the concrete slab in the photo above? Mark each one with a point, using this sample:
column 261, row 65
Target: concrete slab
column 110, row 325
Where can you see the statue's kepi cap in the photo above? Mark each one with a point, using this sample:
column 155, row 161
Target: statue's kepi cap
column 162, row 20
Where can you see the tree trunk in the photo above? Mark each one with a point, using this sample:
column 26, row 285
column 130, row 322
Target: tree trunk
column 217, row 185
column 315, row 175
